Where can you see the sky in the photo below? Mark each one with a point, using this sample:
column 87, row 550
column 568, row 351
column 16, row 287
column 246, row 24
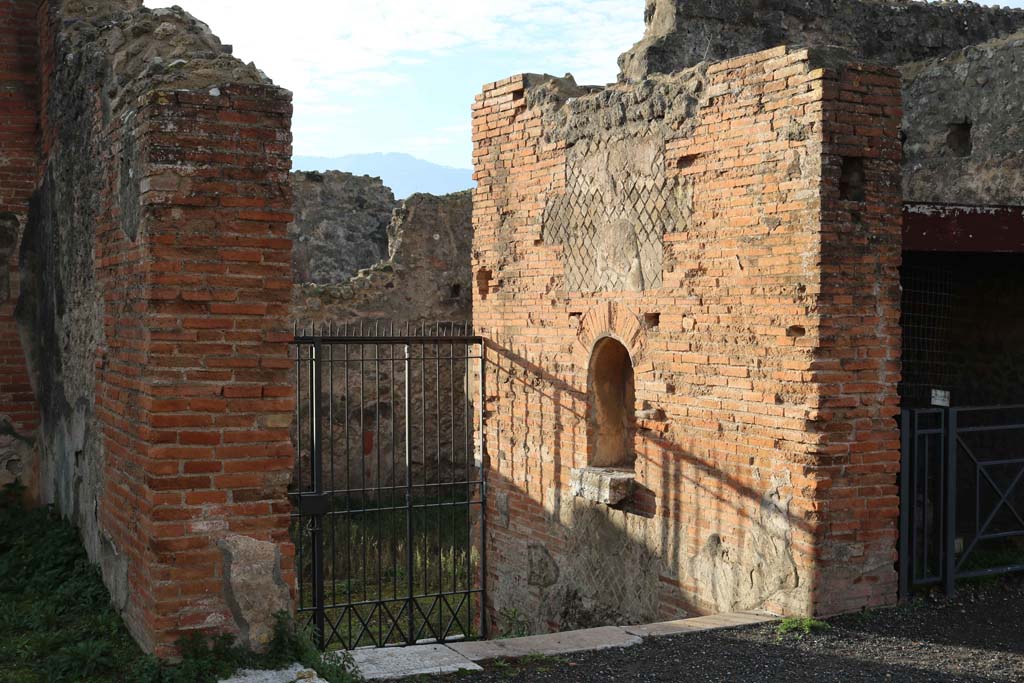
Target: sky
column 400, row 75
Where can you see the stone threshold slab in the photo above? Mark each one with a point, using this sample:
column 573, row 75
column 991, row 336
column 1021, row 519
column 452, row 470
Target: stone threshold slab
column 697, row 624
column 415, row 660
column 412, row 660
column 565, row 642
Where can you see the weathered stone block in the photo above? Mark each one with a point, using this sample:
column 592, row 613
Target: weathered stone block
column 606, row 485
column 254, row 587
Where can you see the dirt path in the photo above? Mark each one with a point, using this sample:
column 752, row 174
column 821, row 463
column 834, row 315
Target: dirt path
column 976, row 637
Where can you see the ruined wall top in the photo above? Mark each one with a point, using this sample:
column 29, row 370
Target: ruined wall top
column 132, row 49
column 683, row 33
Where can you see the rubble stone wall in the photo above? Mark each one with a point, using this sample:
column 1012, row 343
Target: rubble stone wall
column 341, row 225
column 764, row 436
column 964, row 126
column 156, row 281
column 683, row 33
column 424, row 280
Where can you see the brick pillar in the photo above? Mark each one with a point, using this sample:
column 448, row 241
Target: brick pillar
column 194, row 391
column 18, row 174
column 858, row 364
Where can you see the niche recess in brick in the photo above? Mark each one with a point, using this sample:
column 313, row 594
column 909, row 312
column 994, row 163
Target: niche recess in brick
column 483, row 282
column 851, row 179
column 611, row 405
column 958, row 138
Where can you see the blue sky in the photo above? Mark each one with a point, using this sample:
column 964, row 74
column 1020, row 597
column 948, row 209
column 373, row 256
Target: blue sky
column 400, row 75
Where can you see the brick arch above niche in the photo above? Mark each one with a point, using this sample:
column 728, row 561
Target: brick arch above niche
column 611, row 319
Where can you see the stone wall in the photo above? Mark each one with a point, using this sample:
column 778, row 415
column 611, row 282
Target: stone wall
column 682, row 33
column 424, row 280
column 425, row 276
column 964, row 126
column 764, row 431
column 155, row 285
column 341, row 225
column 19, row 102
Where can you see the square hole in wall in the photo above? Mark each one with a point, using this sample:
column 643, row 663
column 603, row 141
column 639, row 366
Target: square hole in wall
column 851, row 179
column 651, row 320
column 958, row 138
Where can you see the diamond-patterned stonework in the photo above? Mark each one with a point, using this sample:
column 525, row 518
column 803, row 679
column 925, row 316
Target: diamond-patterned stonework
column 617, row 206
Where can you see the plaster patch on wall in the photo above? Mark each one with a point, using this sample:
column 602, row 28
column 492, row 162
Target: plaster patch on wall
column 617, row 206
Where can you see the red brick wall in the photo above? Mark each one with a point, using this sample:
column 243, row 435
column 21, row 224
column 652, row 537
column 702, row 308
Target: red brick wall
column 194, row 392
column 858, row 362
column 18, row 176
column 737, row 454
column 180, row 322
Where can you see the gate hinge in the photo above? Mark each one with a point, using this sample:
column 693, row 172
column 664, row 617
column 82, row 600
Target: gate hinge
column 314, row 504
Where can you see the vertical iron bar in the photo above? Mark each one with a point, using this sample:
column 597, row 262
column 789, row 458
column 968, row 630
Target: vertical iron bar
column 332, row 486
column 467, row 427
column 906, row 504
column 318, row 488
column 951, row 449
column 483, row 495
column 409, row 552
column 300, row 529
column 380, row 493
column 440, row 510
column 349, row 528
column 361, row 445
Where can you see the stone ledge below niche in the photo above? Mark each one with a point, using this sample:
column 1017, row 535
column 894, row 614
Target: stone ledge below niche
column 605, row 485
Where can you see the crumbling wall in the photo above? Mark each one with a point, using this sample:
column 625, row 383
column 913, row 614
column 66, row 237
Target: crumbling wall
column 341, row 225
column 682, row 33
column 19, row 142
column 963, row 124
column 729, row 343
column 156, row 276
column 425, row 280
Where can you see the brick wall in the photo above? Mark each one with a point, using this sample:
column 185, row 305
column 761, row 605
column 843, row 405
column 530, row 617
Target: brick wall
column 156, row 272
column 18, row 173
column 194, row 392
column 747, row 442
column 857, row 364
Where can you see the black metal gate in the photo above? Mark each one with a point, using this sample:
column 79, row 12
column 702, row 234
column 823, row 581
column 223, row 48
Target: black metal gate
column 961, row 494
column 389, row 524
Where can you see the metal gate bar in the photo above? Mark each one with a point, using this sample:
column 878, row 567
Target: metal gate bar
column 390, row 549
column 961, row 489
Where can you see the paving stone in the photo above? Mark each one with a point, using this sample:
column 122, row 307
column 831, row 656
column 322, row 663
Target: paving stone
column 695, row 624
column 397, row 662
column 548, row 644
column 296, row 672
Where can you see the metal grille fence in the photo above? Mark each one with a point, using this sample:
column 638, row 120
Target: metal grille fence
column 928, row 320
column 962, row 494
column 389, row 524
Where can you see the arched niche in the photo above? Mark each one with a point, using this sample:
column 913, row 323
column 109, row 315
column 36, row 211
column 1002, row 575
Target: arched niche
column 611, row 394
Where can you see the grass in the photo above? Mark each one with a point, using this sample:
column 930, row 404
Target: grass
column 368, row 561
column 57, row 624
column 801, row 626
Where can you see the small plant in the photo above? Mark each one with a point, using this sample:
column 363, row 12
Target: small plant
column 514, row 623
column 57, row 624
column 802, row 626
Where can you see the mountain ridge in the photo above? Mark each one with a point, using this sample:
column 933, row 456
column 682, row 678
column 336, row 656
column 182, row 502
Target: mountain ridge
column 403, row 173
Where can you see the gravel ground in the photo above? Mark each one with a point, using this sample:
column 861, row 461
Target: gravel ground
column 976, row 637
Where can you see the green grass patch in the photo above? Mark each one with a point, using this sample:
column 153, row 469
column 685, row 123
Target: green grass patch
column 57, row 624
column 802, row 626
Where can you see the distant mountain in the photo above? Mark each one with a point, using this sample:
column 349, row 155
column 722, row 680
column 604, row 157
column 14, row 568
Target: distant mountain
column 404, row 174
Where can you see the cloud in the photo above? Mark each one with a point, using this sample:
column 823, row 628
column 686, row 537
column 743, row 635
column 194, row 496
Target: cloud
column 335, row 54
column 336, row 43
